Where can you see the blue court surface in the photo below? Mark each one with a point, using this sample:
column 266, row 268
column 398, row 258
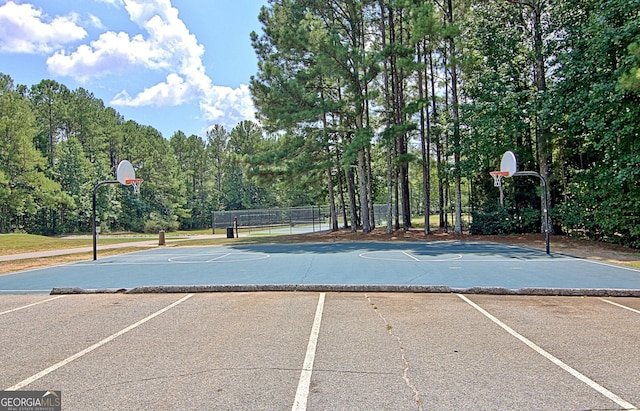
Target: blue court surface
column 352, row 265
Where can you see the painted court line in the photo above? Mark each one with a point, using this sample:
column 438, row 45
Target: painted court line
column 594, row 385
column 177, row 259
column 381, row 256
column 95, row 346
column 215, row 258
column 409, row 255
column 31, row 305
column 302, row 393
column 620, row 305
column 218, row 258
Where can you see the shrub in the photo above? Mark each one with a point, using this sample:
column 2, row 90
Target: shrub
column 527, row 220
column 497, row 220
column 155, row 223
column 492, row 220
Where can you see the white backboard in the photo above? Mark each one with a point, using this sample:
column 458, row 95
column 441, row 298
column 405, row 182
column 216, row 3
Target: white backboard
column 509, row 163
column 125, row 172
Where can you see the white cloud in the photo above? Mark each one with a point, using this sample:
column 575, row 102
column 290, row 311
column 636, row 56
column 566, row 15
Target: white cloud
column 174, row 91
column 111, row 52
column 115, row 3
column 96, row 22
column 24, row 29
column 164, row 45
column 167, row 32
column 228, row 103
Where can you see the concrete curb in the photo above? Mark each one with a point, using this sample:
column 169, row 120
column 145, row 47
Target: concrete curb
column 229, row 288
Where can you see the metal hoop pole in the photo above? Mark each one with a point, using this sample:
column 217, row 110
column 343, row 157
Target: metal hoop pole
column 544, row 200
column 93, row 215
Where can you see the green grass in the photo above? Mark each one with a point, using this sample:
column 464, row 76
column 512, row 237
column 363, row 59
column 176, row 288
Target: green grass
column 196, row 232
column 19, row 265
column 633, row 264
column 26, row 243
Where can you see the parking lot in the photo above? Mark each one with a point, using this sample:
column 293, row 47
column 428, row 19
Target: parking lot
column 324, row 351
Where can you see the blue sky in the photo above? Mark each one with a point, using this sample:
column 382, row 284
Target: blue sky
column 171, row 64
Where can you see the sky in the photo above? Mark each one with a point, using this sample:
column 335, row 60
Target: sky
column 170, row 64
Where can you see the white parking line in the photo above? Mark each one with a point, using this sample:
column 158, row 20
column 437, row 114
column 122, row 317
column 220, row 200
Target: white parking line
column 302, row 393
column 620, row 305
column 30, row 305
column 594, row 385
column 95, row 346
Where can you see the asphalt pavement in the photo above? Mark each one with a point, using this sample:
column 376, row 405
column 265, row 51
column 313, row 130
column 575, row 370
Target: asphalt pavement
column 323, row 351
column 154, row 338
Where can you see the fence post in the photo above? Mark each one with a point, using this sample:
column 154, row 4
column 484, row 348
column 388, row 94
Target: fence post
column 235, row 224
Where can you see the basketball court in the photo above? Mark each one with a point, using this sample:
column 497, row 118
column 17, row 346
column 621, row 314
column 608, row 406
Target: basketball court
column 442, row 266
column 365, row 325
column 384, row 266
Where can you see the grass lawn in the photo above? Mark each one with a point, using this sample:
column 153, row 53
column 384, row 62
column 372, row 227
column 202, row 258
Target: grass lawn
column 26, row 243
column 19, row 265
column 204, row 231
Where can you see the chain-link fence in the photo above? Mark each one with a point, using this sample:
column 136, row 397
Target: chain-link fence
column 293, row 219
column 298, row 220
column 285, row 220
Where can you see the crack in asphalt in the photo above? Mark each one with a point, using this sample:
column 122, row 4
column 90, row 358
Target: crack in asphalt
column 213, row 370
column 306, row 272
column 188, row 374
column 405, row 361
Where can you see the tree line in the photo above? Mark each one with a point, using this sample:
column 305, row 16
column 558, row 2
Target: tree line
column 371, row 89
column 56, row 144
column 408, row 103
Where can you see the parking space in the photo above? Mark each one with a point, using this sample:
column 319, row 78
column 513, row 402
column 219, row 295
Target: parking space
column 408, row 351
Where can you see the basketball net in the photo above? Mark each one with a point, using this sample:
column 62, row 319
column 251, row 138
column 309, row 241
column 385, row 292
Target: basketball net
column 135, row 182
column 497, row 177
column 497, row 181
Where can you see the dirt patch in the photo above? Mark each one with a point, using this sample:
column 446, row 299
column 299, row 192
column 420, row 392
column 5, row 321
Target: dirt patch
column 558, row 243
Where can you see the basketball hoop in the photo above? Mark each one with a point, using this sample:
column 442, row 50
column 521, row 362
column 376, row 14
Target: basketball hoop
column 135, row 182
column 497, row 177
